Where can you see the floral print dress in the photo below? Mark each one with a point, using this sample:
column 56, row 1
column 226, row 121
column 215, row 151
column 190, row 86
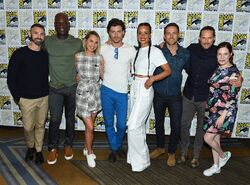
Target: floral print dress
column 222, row 96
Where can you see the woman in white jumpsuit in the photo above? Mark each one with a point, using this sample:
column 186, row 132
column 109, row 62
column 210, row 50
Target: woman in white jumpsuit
column 141, row 96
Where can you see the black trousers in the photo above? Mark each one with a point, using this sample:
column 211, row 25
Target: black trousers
column 174, row 105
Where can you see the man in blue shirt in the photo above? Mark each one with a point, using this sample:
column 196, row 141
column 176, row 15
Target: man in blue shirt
column 167, row 93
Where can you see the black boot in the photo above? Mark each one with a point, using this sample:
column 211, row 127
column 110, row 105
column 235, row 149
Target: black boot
column 112, row 157
column 30, row 154
column 121, row 153
column 39, row 158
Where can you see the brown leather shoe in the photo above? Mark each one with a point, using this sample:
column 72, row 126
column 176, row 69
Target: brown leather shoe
column 52, row 157
column 171, row 160
column 68, row 152
column 195, row 163
column 157, row 152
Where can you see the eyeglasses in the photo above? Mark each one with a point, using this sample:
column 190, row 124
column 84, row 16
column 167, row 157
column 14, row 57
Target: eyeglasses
column 116, row 53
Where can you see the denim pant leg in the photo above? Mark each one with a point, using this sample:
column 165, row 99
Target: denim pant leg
column 175, row 112
column 70, row 107
column 121, row 108
column 198, row 141
column 108, row 112
column 160, row 105
column 188, row 112
column 56, row 101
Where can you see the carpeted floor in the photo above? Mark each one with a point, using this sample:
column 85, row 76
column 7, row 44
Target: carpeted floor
column 236, row 172
column 15, row 169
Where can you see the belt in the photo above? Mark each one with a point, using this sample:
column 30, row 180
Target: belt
column 140, row 76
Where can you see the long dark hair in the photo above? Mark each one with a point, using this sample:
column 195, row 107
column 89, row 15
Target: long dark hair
column 139, row 45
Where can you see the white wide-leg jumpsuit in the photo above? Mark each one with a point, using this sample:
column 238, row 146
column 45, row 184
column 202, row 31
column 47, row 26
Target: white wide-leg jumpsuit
column 141, row 103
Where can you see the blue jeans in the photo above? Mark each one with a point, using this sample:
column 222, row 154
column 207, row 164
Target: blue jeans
column 59, row 98
column 114, row 103
column 174, row 104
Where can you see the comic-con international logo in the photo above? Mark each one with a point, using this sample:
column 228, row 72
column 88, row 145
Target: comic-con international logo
column 194, row 21
column 247, row 63
column 225, row 22
column 115, row 4
column 167, row 113
column 243, row 6
column 84, row 3
column 129, row 88
column 5, row 102
column 11, row 51
column 151, row 126
column 82, row 33
column 161, row 19
column 25, row 40
column 25, row 4
column 181, row 38
column 2, row 37
column 12, row 18
column 40, row 17
column 17, row 119
column 47, row 120
column 131, row 19
column 3, row 70
column 146, row 4
column 99, row 123
column 245, row 96
column 179, row 4
column 54, row 3
column 242, row 129
column 51, row 32
column 211, row 5
column 239, row 41
column 99, row 19
column 72, row 18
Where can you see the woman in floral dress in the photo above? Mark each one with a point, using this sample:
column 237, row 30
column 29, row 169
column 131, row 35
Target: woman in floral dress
column 221, row 106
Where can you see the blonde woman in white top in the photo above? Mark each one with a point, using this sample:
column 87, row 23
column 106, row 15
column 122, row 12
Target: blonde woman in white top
column 147, row 59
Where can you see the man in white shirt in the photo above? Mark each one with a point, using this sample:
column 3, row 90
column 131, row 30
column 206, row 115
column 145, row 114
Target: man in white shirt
column 114, row 91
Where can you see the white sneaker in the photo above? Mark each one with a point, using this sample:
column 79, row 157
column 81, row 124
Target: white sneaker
column 223, row 161
column 91, row 160
column 85, row 151
column 212, row 170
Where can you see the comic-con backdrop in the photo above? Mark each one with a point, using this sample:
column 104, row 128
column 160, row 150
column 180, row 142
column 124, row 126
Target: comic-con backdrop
column 230, row 18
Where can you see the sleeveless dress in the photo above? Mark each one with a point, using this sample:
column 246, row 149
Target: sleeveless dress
column 88, row 89
column 222, row 96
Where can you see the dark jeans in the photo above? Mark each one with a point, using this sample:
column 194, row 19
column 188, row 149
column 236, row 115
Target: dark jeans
column 174, row 104
column 59, row 98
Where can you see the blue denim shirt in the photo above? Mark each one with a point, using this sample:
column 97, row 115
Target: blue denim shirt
column 171, row 85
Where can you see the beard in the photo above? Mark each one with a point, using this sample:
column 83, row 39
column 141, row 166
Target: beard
column 37, row 41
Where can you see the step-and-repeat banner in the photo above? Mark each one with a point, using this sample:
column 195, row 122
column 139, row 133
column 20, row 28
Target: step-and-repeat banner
column 230, row 18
